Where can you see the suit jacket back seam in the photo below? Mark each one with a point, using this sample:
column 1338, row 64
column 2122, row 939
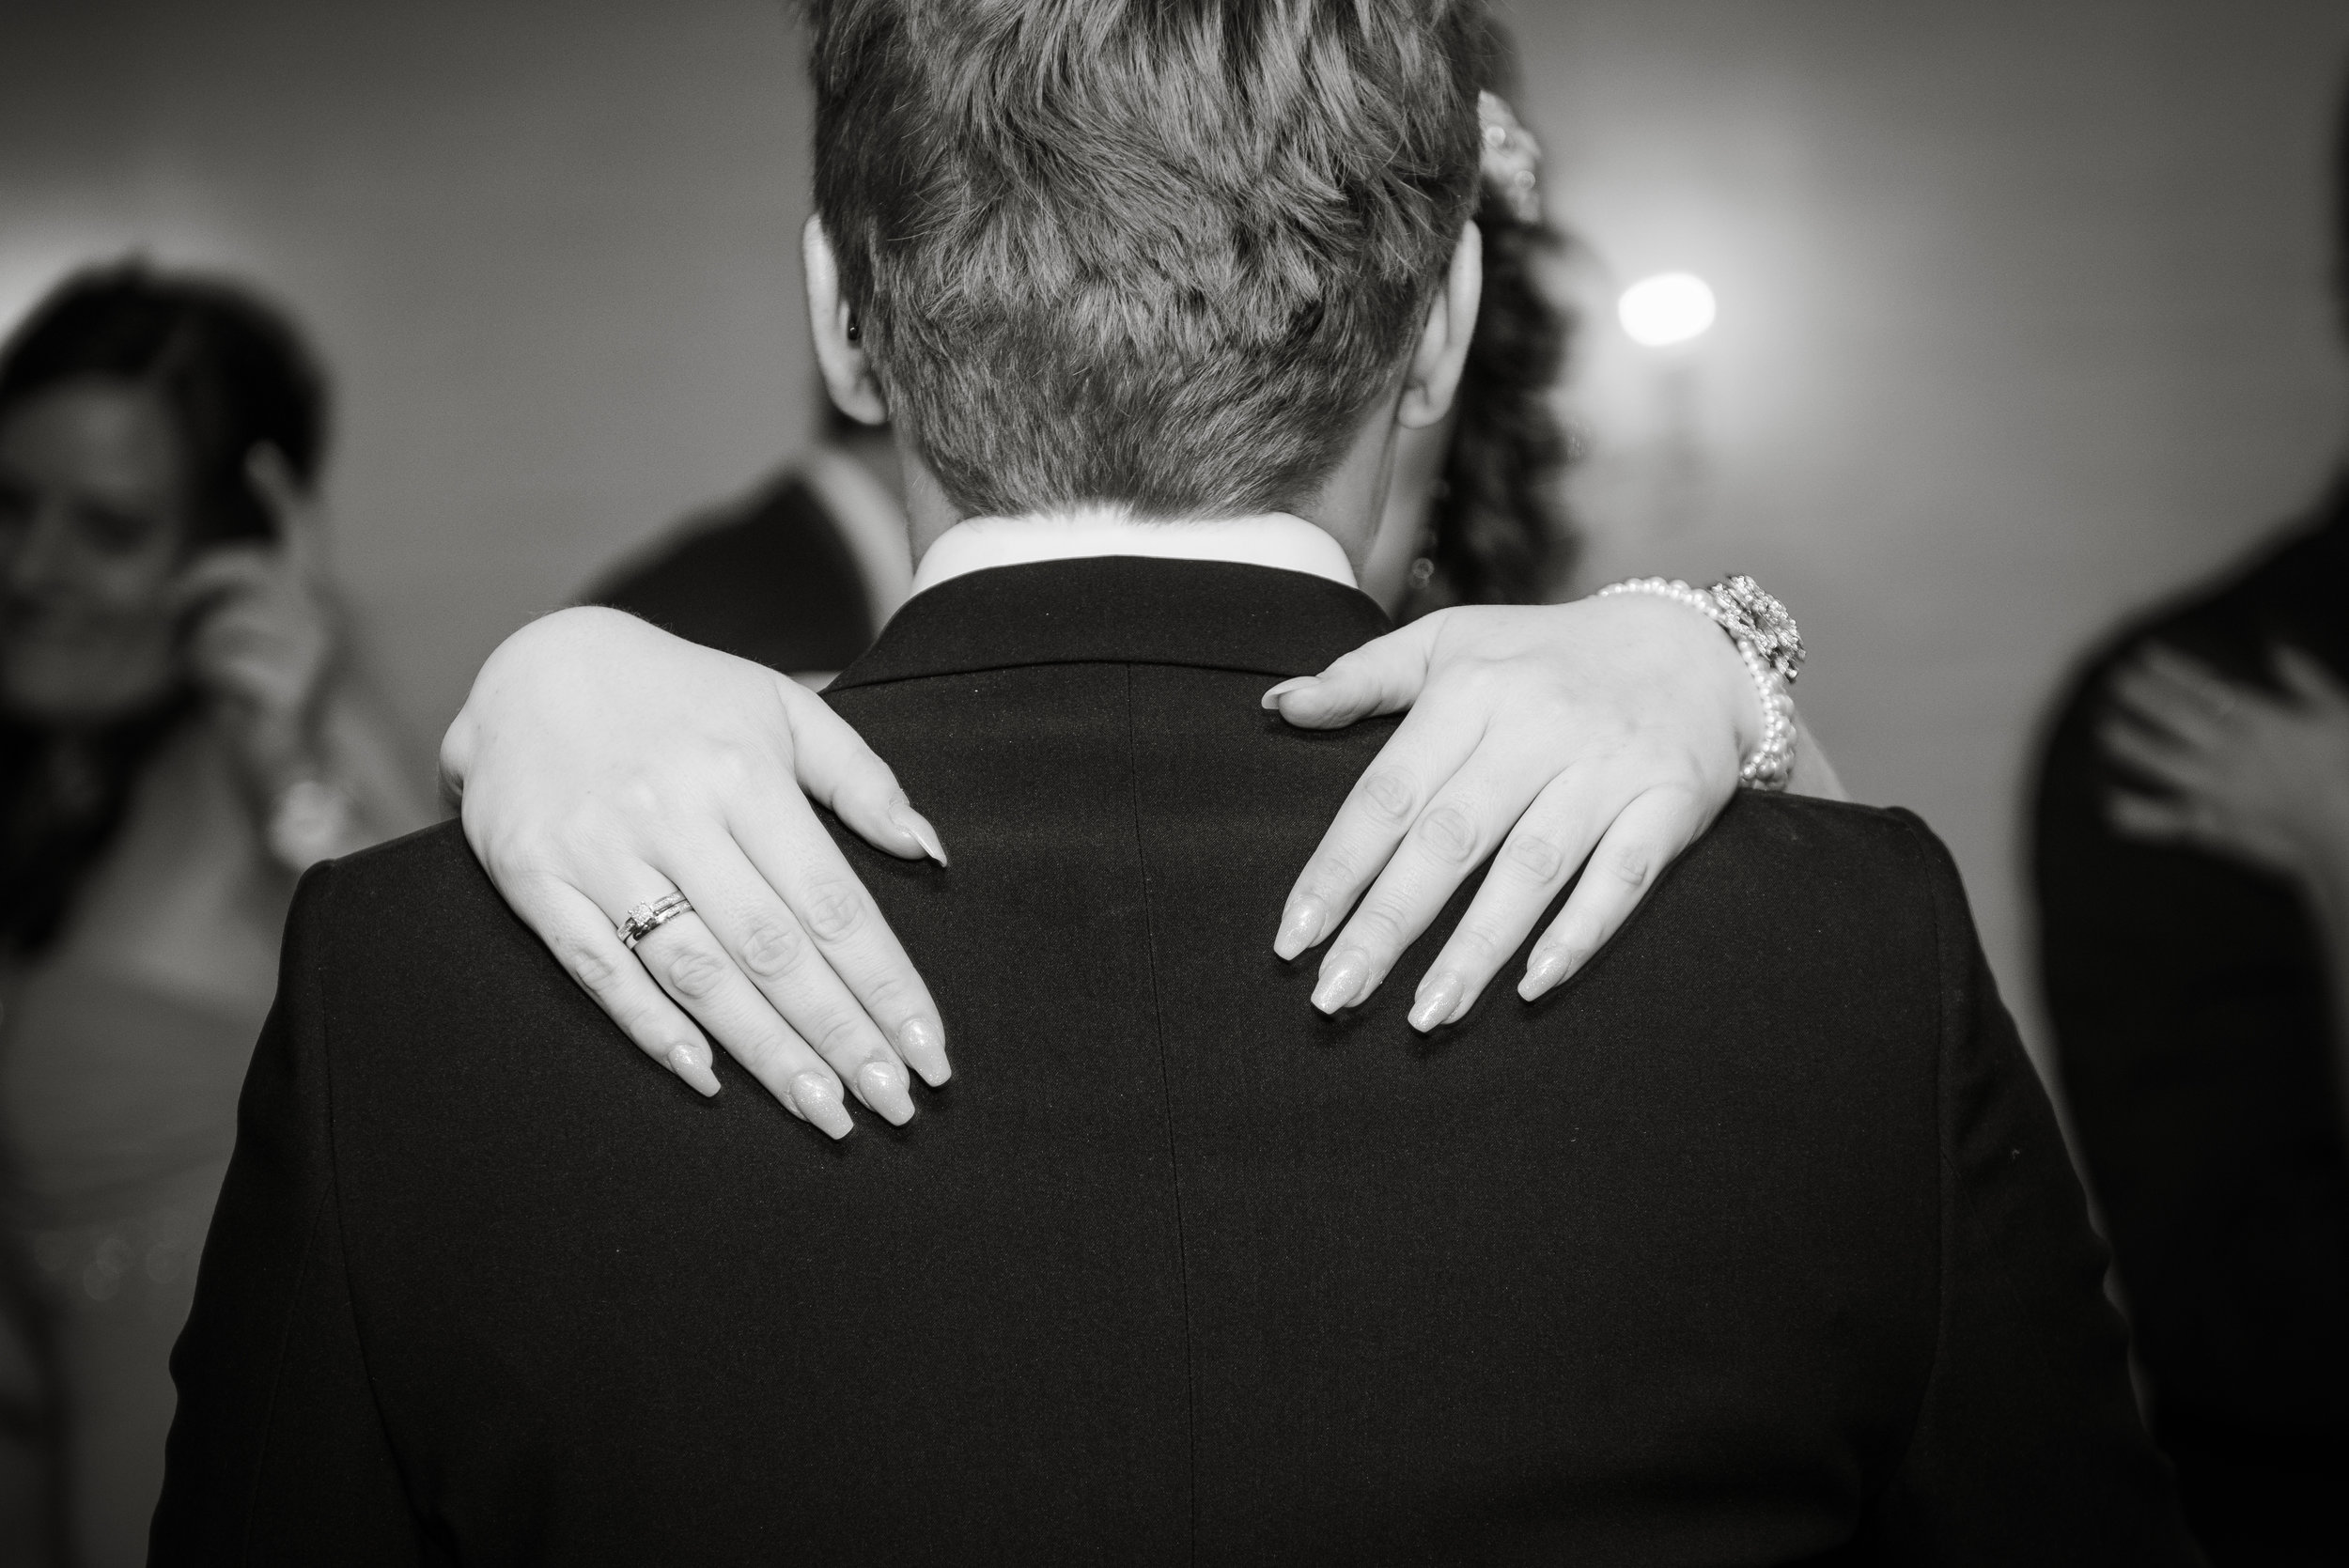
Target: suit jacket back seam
column 1166, row 1084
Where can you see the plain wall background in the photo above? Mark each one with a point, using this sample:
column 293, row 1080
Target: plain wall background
column 2024, row 306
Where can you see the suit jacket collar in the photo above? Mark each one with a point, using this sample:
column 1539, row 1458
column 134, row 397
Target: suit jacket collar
column 1122, row 609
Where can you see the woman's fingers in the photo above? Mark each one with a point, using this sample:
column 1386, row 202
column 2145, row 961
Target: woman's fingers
column 1383, row 675
column 2145, row 703
column 585, row 943
column 680, row 968
column 848, row 956
column 2155, row 821
column 2191, row 679
column 1539, row 857
column 1385, row 803
column 2161, row 756
column 2166, row 690
column 226, row 571
column 1442, row 847
column 769, row 942
column 1647, row 836
column 296, row 510
column 1643, row 690
column 694, row 968
column 837, row 768
column 2309, row 681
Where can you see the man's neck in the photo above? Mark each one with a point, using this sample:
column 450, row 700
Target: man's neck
column 1275, row 539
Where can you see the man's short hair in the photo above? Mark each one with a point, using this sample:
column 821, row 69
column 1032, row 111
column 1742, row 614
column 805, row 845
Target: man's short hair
column 1159, row 254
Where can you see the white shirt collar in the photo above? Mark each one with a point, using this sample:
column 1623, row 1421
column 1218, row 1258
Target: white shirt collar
column 1276, row 539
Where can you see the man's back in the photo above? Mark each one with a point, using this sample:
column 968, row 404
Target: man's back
column 1757, row 1243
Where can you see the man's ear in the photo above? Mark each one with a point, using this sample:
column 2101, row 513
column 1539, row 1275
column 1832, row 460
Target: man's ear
column 1444, row 343
column 832, row 320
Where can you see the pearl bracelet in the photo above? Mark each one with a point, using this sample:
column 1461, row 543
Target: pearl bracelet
column 1771, row 764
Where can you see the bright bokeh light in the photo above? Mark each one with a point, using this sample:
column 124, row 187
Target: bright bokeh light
column 1671, row 307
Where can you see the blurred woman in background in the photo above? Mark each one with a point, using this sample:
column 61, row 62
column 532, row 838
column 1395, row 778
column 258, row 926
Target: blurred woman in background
column 183, row 731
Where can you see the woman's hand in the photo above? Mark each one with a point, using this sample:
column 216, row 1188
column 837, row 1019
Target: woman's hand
column 2240, row 773
column 601, row 763
column 264, row 634
column 1608, row 730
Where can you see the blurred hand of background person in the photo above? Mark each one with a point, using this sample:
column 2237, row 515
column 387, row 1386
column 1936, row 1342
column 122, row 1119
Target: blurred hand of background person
column 2240, row 771
column 264, row 634
column 2254, row 775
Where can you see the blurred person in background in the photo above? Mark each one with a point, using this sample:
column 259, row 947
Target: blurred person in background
column 799, row 576
column 2192, row 867
column 183, row 729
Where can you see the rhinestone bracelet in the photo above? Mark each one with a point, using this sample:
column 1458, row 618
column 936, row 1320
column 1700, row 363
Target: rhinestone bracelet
column 1771, row 763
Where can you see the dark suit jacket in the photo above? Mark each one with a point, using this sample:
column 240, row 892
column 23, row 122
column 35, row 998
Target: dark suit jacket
column 1756, row 1244
column 768, row 579
column 2193, row 1021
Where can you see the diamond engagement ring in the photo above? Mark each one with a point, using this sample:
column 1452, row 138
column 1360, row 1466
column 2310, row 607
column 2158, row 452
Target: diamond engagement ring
column 644, row 920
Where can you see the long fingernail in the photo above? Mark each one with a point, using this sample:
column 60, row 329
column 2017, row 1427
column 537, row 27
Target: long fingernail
column 1550, row 968
column 1437, row 999
column 881, row 1085
column 690, row 1060
column 923, row 1044
column 1342, row 979
column 816, row 1099
column 917, row 828
column 1301, row 925
column 1299, row 683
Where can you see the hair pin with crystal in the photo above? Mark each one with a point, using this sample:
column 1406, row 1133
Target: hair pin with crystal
column 1512, row 164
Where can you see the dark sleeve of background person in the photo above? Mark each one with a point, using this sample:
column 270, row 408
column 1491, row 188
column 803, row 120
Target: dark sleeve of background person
column 770, row 579
column 290, row 1415
column 2191, row 1017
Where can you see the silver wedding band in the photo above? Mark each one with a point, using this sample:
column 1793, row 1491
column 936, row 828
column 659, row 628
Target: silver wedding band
column 644, row 920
